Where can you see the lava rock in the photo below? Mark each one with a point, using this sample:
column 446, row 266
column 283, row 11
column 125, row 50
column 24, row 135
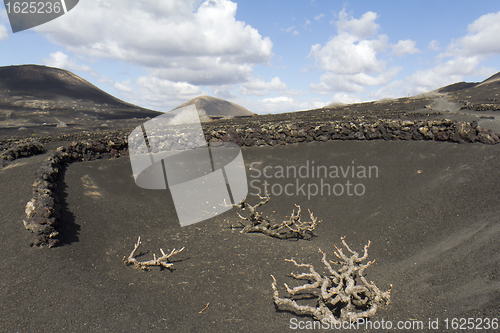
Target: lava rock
column 405, row 136
column 455, row 137
column 441, row 136
column 417, row 135
column 487, row 138
column 466, row 131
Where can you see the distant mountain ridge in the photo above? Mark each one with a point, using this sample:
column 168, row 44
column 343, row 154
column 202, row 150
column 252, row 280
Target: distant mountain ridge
column 491, row 79
column 213, row 108
column 58, row 95
column 468, row 85
column 49, row 82
column 34, row 95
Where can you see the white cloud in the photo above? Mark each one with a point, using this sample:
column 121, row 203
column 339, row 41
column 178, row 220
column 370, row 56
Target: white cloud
column 468, row 52
column 259, row 87
column 306, row 25
column 433, row 46
column 292, row 30
column 61, row 60
column 124, row 87
column 224, row 91
column 347, row 54
column 423, row 81
column 4, row 33
column 203, row 71
column 350, row 59
column 404, row 47
column 352, row 83
column 281, row 99
column 481, row 39
column 344, row 98
column 393, row 89
column 454, row 70
column 463, row 57
column 280, row 104
column 460, row 65
column 319, row 17
column 362, row 28
column 163, row 94
column 186, row 40
column 427, row 80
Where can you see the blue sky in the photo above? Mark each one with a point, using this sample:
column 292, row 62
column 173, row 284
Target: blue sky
column 269, row 56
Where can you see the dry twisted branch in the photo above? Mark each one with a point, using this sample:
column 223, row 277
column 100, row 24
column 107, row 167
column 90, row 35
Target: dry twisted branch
column 343, row 295
column 292, row 228
column 161, row 261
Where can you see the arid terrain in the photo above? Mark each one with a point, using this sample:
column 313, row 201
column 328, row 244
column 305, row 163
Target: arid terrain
column 431, row 213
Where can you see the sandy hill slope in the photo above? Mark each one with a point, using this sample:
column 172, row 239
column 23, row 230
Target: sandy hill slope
column 457, row 86
column 32, row 95
column 481, row 96
column 216, row 108
column 469, row 85
column 491, row 79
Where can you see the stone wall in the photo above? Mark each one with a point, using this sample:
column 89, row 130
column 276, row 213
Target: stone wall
column 14, row 150
column 42, row 213
column 292, row 132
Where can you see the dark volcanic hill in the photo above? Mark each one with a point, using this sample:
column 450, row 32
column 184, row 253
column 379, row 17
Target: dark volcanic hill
column 477, row 96
column 482, row 88
column 32, row 95
column 214, row 108
column 493, row 78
